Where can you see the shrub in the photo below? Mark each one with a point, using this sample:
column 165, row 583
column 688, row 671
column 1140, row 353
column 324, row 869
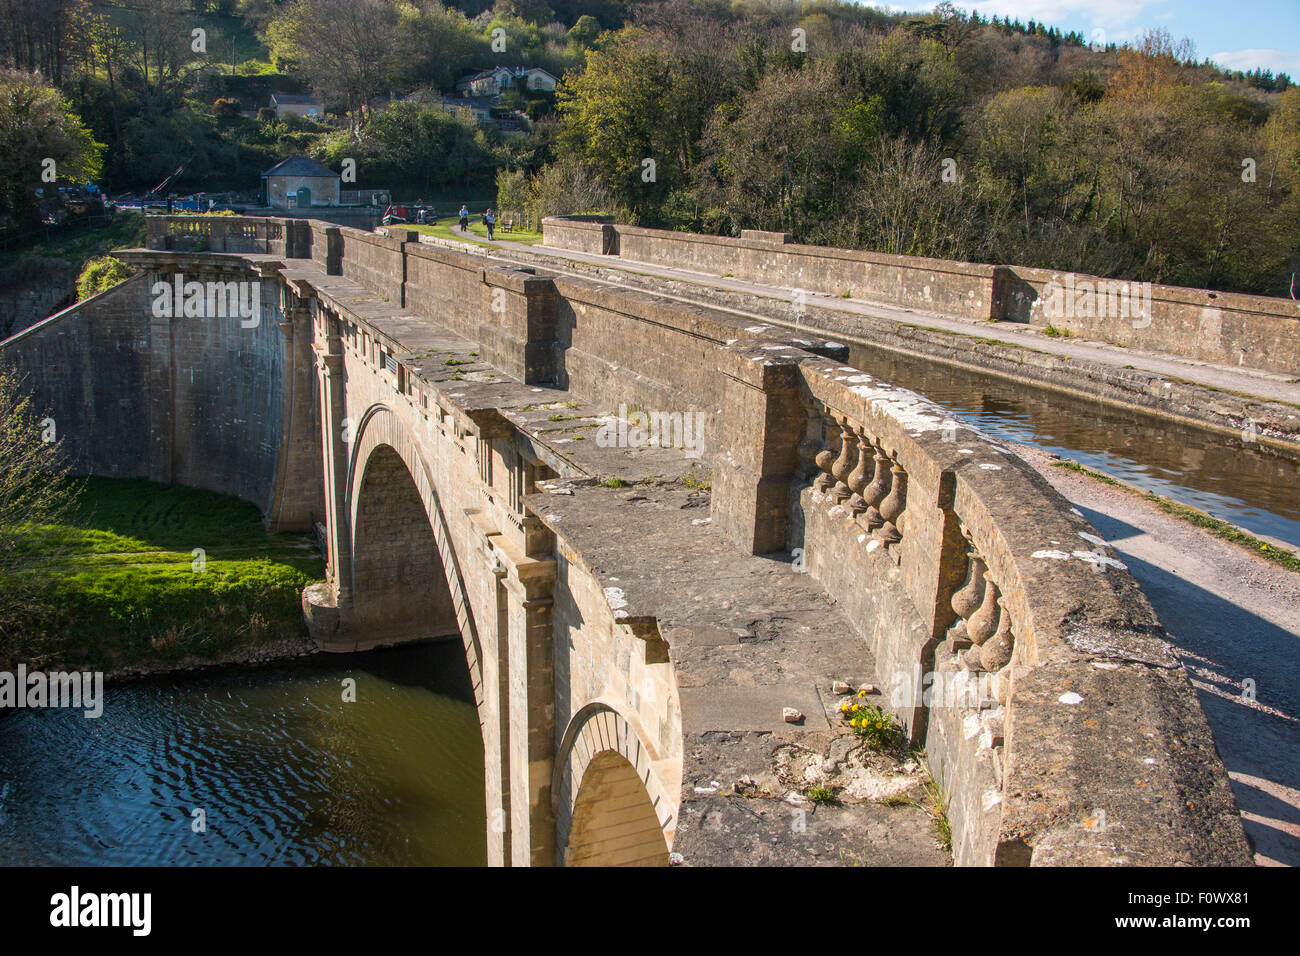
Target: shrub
column 100, row 273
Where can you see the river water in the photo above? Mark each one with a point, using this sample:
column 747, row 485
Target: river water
column 285, row 771
column 1247, row 484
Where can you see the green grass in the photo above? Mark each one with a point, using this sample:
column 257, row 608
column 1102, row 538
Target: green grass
column 1215, row 526
column 821, row 795
column 936, row 805
column 449, row 228
column 119, row 588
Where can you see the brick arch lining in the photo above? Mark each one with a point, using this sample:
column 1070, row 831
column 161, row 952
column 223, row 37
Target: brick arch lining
column 380, row 427
column 596, row 732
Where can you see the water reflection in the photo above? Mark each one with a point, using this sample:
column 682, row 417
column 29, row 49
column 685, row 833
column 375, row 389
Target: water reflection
column 285, row 771
column 1249, row 485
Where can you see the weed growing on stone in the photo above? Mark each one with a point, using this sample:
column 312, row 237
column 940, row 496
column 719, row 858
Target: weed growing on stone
column 936, row 804
column 819, row 794
column 614, row 483
column 698, row 482
column 872, row 724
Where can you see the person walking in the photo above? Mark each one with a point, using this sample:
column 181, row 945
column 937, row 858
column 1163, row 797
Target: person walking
column 464, row 218
column 489, row 220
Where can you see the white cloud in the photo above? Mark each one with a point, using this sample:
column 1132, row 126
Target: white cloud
column 1278, row 61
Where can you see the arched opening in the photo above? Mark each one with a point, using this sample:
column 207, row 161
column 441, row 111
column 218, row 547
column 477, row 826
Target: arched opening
column 614, row 822
column 399, row 586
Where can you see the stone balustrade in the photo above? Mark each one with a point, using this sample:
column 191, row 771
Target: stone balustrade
column 287, row 237
column 1010, row 643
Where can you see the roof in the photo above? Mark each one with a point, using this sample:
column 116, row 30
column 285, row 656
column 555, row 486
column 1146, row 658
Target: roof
column 510, row 70
column 300, row 166
column 294, row 99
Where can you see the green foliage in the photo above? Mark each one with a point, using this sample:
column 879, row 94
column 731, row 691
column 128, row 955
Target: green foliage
column 417, row 147
column 100, row 273
column 39, row 131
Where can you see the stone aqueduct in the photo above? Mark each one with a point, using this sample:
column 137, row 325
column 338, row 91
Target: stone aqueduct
column 633, row 635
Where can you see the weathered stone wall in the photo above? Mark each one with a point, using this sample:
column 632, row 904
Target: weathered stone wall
column 27, row 300
column 1011, row 643
column 1221, row 327
column 226, row 395
column 593, row 234
column 89, row 368
column 193, row 400
column 377, row 262
column 957, row 287
column 1225, row 328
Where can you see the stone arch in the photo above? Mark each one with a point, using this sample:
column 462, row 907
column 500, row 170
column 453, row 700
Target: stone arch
column 383, row 441
column 611, row 808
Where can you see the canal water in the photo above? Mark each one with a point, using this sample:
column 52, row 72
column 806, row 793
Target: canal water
column 285, row 771
column 1247, row 484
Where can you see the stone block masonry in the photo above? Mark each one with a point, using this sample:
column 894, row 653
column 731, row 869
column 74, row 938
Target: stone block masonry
column 1224, row 328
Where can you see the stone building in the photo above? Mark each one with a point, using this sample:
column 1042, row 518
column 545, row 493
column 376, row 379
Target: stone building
column 283, row 185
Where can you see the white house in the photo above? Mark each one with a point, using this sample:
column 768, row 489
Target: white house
column 286, row 104
column 496, row 81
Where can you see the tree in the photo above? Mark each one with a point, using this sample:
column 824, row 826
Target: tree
column 40, row 136
column 434, row 44
column 616, row 117
column 785, row 156
column 34, row 492
column 415, row 145
column 346, row 49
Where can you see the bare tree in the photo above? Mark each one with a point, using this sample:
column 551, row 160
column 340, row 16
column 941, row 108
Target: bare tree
column 35, row 492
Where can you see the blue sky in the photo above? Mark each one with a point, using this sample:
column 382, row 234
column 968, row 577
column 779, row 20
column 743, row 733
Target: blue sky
column 1241, row 35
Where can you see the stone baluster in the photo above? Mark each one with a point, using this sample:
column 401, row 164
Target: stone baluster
column 844, row 463
column 876, row 492
column 825, row 460
column 982, row 624
column 891, row 509
column 967, row 599
column 995, row 654
column 857, row 480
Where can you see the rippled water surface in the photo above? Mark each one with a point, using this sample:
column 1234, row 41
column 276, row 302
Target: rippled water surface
column 286, row 772
column 1246, row 484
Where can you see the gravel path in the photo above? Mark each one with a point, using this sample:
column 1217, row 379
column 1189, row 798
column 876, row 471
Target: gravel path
column 1234, row 618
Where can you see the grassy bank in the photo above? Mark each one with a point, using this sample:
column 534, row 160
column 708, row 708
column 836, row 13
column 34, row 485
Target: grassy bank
column 122, row 587
column 449, row 228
